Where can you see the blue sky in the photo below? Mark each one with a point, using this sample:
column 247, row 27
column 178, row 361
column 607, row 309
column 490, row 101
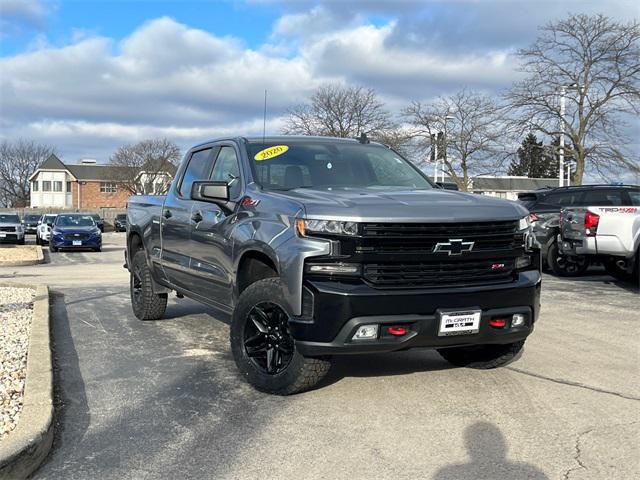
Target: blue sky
column 88, row 76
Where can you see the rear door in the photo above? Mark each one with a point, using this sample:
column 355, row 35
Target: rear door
column 176, row 219
column 211, row 226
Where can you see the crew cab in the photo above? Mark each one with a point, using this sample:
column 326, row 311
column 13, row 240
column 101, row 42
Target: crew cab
column 324, row 246
column 545, row 205
column 608, row 234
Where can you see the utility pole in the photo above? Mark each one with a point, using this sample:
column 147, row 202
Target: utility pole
column 436, row 161
column 563, row 92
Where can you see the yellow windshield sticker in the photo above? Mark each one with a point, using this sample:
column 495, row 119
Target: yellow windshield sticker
column 271, row 152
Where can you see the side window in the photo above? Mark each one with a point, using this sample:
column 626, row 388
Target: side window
column 227, row 170
column 564, row 199
column 197, row 168
column 634, row 196
column 603, row 198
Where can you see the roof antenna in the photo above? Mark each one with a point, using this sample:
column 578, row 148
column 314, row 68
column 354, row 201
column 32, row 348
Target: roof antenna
column 264, row 116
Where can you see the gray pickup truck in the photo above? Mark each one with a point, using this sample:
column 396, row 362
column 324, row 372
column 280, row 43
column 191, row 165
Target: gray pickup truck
column 324, row 246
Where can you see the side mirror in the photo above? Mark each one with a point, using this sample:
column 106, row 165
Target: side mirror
column 210, row 191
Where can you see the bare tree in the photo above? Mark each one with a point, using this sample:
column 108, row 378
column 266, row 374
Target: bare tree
column 597, row 60
column 145, row 167
column 477, row 134
column 18, row 160
column 341, row 111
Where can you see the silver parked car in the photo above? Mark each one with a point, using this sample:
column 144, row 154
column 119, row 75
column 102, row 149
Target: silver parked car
column 11, row 229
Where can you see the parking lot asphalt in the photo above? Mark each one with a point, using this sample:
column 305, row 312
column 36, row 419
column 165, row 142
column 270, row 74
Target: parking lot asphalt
column 163, row 399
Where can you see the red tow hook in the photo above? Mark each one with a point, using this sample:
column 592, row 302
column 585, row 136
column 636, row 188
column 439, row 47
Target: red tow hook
column 498, row 322
column 397, row 331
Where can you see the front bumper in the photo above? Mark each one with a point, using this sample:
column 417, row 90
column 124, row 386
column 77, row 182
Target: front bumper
column 11, row 236
column 68, row 244
column 333, row 311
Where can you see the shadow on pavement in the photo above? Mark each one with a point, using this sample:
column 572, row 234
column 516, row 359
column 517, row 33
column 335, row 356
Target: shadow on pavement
column 487, row 448
column 71, row 406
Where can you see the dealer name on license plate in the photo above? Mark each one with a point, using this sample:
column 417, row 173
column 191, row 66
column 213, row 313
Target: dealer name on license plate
column 77, row 243
column 465, row 322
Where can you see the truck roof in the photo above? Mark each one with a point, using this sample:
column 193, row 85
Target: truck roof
column 285, row 139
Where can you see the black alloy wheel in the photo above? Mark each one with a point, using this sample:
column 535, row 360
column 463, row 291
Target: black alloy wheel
column 267, row 340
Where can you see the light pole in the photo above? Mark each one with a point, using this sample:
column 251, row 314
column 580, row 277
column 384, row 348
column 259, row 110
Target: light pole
column 563, row 92
column 444, row 141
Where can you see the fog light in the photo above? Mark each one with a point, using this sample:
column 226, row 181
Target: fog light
column 517, row 320
column 366, row 332
column 523, row 262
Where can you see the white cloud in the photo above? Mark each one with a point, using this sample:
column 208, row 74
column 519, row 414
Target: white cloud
column 16, row 15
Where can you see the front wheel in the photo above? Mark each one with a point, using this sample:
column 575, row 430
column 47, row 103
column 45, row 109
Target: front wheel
column 482, row 357
column 262, row 345
column 565, row 265
column 146, row 304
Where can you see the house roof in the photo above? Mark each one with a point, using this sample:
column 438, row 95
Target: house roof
column 90, row 171
column 517, row 184
column 52, row 163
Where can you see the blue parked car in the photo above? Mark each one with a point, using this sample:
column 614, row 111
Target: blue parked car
column 75, row 231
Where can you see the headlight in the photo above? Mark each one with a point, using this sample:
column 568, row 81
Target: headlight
column 524, row 223
column 330, row 227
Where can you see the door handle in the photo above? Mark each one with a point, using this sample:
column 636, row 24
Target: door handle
column 196, row 217
column 167, row 213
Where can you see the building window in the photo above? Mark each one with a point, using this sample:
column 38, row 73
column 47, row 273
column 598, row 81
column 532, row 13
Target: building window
column 68, row 187
column 57, row 186
column 34, row 186
column 46, row 186
column 108, row 187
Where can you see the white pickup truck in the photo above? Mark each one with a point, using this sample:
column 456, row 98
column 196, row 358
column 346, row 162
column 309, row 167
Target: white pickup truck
column 608, row 234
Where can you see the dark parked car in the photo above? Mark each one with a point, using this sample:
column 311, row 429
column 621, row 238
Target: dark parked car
column 326, row 246
column 75, row 231
column 545, row 205
column 120, row 223
column 99, row 221
column 30, row 222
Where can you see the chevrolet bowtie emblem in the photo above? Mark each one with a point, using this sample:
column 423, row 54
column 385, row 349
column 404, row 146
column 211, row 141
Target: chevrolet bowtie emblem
column 455, row 246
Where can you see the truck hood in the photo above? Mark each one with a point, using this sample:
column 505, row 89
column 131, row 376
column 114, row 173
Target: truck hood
column 369, row 205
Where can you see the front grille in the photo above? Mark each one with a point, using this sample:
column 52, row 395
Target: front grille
column 7, row 229
column 76, row 236
column 439, row 273
column 422, row 238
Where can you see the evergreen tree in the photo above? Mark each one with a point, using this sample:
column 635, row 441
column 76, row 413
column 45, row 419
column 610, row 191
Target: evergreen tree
column 535, row 160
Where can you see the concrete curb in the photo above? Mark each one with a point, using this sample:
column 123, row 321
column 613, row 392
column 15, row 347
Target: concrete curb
column 22, row 451
column 25, row 263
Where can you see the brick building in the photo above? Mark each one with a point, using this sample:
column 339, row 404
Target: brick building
column 85, row 185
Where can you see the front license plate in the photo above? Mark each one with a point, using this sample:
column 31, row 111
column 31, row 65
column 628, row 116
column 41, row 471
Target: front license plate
column 464, row 322
column 77, row 243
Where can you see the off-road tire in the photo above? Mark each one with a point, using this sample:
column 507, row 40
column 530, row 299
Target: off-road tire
column 302, row 373
column 482, row 357
column 558, row 266
column 147, row 305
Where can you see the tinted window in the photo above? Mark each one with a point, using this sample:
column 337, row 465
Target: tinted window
column 74, row 221
column 602, row 198
column 32, row 218
column 634, row 195
column 328, row 165
column 227, row 170
column 197, row 169
column 8, row 218
column 564, row 199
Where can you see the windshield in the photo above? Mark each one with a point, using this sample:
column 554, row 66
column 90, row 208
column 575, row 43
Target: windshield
column 49, row 218
column 74, row 221
column 31, row 218
column 322, row 165
column 8, row 218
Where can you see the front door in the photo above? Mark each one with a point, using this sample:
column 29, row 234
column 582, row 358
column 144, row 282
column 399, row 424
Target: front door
column 211, row 225
column 176, row 220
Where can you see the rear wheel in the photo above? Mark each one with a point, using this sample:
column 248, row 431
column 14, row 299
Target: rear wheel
column 263, row 347
column 565, row 265
column 482, row 357
column 146, row 304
